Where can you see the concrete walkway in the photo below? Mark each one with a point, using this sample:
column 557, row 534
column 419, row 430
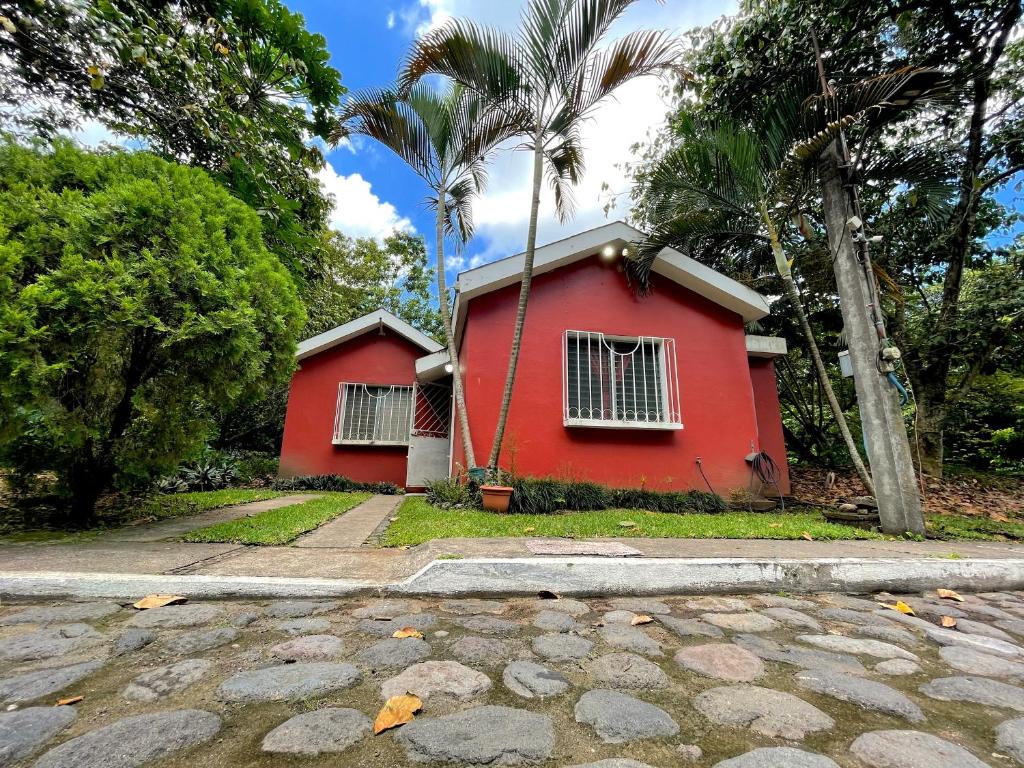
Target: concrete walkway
column 335, row 559
column 178, row 526
column 353, row 528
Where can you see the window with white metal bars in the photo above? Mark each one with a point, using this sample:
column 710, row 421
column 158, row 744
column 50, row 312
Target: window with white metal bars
column 616, row 381
column 372, row 415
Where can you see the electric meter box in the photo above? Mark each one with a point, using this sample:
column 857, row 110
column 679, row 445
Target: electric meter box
column 845, row 366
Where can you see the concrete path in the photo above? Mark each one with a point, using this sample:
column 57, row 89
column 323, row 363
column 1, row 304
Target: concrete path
column 176, row 527
column 353, row 528
column 741, row 681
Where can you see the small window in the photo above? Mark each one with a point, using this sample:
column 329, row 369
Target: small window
column 619, row 381
column 372, row 415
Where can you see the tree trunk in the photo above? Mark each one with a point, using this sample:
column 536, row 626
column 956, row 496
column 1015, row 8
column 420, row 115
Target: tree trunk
column 826, row 384
column 86, row 480
column 524, row 296
column 931, row 422
column 449, row 337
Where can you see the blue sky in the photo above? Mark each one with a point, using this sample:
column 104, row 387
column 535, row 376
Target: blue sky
column 375, row 192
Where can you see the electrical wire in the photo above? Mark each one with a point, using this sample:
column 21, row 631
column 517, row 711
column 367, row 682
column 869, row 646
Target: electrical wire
column 700, row 468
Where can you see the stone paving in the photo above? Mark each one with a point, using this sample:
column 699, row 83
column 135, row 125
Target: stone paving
column 758, row 681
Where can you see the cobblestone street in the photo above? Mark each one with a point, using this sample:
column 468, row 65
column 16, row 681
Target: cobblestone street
column 758, row 681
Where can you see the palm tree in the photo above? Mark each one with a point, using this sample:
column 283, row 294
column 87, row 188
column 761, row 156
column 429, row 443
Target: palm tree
column 444, row 136
column 727, row 188
column 550, row 76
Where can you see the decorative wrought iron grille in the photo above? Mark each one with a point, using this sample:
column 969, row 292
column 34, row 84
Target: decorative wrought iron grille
column 372, row 415
column 432, row 410
column 614, row 381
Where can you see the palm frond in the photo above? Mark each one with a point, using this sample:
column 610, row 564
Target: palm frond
column 483, row 59
column 564, row 170
column 640, row 53
column 382, row 115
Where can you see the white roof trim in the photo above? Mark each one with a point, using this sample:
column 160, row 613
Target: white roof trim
column 361, row 325
column 766, row 346
column 670, row 263
column 431, row 367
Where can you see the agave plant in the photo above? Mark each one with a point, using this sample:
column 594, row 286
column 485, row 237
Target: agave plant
column 548, row 77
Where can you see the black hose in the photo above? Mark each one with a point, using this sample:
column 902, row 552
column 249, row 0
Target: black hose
column 768, row 473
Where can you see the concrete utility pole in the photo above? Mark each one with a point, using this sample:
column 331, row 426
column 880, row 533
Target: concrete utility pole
column 885, row 433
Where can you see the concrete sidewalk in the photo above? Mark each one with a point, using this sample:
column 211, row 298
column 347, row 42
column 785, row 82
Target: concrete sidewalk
column 335, row 559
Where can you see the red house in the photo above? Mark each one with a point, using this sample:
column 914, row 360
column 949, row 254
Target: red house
column 660, row 391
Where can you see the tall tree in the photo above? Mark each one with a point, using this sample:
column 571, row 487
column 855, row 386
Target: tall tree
column 237, row 87
column 728, row 191
column 135, row 296
column 445, row 138
column 551, row 75
column 739, row 64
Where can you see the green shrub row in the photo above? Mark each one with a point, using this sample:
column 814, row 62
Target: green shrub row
column 332, row 483
column 535, row 496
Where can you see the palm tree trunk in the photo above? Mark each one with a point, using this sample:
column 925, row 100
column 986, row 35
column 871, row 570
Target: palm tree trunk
column 826, row 383
column 782, row 265
column 524, row 296
column 449, row 336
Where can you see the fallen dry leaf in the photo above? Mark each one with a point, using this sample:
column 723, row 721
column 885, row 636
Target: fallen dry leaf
column 398, row 710
column 806, row 535
column 547, row 594
column 159, row 601
column 69, row 700
column 774, row 525
column 408, row 632
column 640, row 619
column 948, row 622
column 529, row 529
column 899, row 606
column 949, row 594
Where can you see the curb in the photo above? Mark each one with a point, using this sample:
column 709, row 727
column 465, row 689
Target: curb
column 579, row 576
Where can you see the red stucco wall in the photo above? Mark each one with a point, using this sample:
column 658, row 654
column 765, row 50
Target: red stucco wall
column 309, row 424
column 716, row 394
column 769, row 418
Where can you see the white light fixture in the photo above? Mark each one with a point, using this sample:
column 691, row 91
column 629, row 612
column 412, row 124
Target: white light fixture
column 448, row 368
column 625, row 253
column 608, row 253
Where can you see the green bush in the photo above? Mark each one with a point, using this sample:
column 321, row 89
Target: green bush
column 451, row 492
column 254, row 467
column 540, row 496
column 332, row 483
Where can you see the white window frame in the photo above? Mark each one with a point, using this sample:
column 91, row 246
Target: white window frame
column 667, row 393
column 395, row 436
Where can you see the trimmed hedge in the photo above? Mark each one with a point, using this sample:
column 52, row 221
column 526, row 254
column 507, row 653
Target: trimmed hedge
column 536, row 496
column 332, row 483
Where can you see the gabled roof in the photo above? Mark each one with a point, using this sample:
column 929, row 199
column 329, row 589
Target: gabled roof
column 670, row 263
column 361, row 325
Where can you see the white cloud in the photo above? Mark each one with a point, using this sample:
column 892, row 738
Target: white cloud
column 391, row 20
column 357, row 211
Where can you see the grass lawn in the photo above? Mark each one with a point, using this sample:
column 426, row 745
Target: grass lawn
column 974, row 528
column 150, row 508
column 279, row 526
column 418, row 521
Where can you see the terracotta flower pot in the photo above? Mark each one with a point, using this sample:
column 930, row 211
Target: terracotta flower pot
column 496, row 497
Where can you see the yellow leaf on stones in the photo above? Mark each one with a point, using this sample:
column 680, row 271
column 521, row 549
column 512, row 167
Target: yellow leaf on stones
column 806, row 535
column 398, row 710
column 641, row 619
column 159, row 601
column 69, row 701
column 949, row 594
column 948, row 622
column 901, row 607
column 408, row 632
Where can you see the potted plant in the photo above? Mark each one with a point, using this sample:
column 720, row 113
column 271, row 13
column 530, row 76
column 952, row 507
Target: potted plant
column 496, row 497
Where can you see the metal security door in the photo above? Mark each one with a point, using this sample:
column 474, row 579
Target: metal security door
column 429, row 438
